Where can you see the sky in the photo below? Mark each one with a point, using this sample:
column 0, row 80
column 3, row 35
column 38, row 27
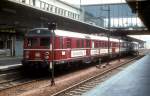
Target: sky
column 88, row 2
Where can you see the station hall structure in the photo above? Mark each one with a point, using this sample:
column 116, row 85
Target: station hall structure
column 28, row 14
column 87, row 46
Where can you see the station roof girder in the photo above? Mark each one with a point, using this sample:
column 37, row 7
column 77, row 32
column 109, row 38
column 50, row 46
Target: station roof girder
column 30, row 17
column 141, row 7
column 23, row 17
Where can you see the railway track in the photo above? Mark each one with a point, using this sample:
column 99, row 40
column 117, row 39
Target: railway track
column 9, row 77
column 26, row 81
column 12, row 78
column 83, row 86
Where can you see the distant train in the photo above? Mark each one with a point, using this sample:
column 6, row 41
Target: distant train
column 69, row 47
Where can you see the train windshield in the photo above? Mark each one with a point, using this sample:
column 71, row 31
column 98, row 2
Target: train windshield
column 45, row 42
column 38, row 37
column 32, row 42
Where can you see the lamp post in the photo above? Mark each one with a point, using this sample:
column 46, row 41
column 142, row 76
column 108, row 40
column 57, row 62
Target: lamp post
column 52, row 26
column 109, row 32
column 119, row 49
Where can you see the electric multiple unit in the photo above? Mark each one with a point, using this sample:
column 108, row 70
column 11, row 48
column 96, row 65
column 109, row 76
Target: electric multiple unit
column 68, row 47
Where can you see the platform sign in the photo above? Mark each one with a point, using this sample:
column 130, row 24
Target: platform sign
column 8, row 30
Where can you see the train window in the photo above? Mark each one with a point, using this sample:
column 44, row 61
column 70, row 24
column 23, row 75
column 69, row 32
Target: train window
column 32, row 41
column 114, row 45
column 100, row 44
column 111, row 44
column 117, row 44
column 96, row 44
column 87, row 43
column 61, row 42
column 122, row 44
column 82, row 42
column 125, row 45
column 105, row 44
column 45, row 42
column 68, row 43
column 78, row 43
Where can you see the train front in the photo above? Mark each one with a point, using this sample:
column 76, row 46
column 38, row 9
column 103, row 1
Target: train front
column 37, row 48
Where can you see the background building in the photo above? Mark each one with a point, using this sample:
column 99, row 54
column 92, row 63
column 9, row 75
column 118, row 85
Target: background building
column 12, row 32
column 121, row 15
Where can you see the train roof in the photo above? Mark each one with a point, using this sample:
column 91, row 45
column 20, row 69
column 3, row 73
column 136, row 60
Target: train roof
column 79, row 35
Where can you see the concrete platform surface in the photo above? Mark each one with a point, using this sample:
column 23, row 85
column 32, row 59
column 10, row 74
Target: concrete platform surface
column 132, row 81
column 7, row 63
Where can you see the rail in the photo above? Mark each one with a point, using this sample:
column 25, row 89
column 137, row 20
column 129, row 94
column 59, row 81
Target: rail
column 62, row 92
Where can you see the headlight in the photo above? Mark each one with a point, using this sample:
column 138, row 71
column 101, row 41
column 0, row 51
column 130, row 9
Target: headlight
column 46, row 57
column 46, row 53
column 27, row 54
column 37, row 54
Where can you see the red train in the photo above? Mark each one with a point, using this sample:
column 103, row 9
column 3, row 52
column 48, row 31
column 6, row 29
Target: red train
column 68, row 47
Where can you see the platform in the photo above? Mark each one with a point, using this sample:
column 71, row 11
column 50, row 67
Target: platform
column 7, row 63
column 132, row 81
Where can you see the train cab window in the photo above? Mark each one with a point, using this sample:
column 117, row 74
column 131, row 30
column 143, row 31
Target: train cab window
column 32, row 41
column 68, row 43
column 45, row 42
column 87, row 43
